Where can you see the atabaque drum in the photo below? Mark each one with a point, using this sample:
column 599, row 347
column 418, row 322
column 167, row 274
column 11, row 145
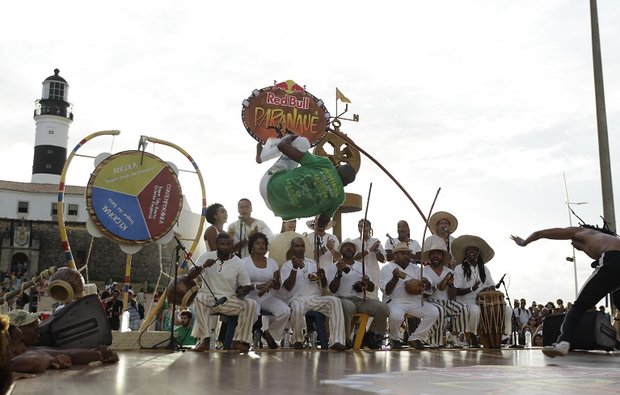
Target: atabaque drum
column 492, row 311
column 183, row 292
column 66, row 285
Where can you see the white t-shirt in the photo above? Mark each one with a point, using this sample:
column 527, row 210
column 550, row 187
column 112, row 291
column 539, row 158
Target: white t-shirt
column 223, row 277
column 436, row 279
column 240, row 226
column 461, row 282
column 259, row 275
column 326, row 259
column 399, row 292
column 303, row 286
column 412, row 244
column 347, row 280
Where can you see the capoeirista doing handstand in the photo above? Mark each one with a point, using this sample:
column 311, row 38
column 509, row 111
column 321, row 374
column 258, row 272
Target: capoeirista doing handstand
column 300, row 184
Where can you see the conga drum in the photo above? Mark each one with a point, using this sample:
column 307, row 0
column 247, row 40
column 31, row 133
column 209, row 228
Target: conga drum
column 491, row 325
column 66, row 285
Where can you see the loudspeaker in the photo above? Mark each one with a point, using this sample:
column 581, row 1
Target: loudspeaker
column 80, row 324
column 595, row 332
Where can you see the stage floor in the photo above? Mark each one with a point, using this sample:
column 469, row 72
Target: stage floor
column 506, row 371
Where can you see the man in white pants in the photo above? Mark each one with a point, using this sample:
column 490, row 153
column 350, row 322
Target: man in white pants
column 302, row 284
column 225, row 276
column 394, row 277
column 444, row 295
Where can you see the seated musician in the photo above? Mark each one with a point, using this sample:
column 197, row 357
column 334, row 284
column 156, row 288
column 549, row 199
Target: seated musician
column 444, row 296
column 401, row 290
column 301, row 289
column 225, row 280
column 300, row 184
column 346, row 282
column 471, row 276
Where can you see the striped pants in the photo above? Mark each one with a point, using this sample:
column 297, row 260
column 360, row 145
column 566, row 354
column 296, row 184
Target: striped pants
column 457, row 313
column 327, row 305
column 243, row 308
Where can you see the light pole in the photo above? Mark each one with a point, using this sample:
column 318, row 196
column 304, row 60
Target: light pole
column 570, row 223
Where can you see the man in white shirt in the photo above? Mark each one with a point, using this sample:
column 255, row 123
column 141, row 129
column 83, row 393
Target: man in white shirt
column 403, row 235
column 323, row 244
column 371, row 252
column 401, row 287
column 346, row 282
column 302, row 283
column 442, row 225
column 225, row 279
column 439, row 273
column 245, row 226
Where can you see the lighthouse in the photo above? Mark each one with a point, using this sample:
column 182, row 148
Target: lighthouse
column 53, row 115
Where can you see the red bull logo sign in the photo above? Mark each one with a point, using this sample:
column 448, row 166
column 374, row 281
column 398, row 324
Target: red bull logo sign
column 285, row 108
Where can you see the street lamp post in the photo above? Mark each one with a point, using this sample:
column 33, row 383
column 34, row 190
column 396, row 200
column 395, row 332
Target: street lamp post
column 570, row 223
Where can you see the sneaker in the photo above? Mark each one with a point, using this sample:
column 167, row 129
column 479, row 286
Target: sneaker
column 559, row 349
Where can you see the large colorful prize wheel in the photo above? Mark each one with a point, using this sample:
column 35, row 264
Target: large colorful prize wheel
column 134, row 197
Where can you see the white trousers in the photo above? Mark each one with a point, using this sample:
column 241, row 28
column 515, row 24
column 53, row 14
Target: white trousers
column 279, row 310
column 330, row 306
column 428, row 314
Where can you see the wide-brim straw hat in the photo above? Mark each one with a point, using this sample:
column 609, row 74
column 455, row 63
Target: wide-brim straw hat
column 347, row 241
column 460, row 244
column 310, row 224
column 437, row 246
column 438, row 216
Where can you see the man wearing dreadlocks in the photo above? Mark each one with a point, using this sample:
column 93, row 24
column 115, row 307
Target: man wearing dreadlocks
column 471, row 276
column 600, row 244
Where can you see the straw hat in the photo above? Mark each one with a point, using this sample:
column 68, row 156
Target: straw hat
column 310, row 224
column 438, row 216
column 401, row 246
column 20, row 317
column 441, row 246
column 348, row 241
column 460, row 244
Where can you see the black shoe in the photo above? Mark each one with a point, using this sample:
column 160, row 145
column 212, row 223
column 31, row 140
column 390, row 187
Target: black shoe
column 417, row 344
column 371, row 340
column 396, row 345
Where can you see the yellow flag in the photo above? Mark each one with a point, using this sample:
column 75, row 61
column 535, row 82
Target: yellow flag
column 341, row 97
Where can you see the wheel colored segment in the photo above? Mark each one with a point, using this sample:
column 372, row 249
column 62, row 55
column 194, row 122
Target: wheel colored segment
column 134, row 197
